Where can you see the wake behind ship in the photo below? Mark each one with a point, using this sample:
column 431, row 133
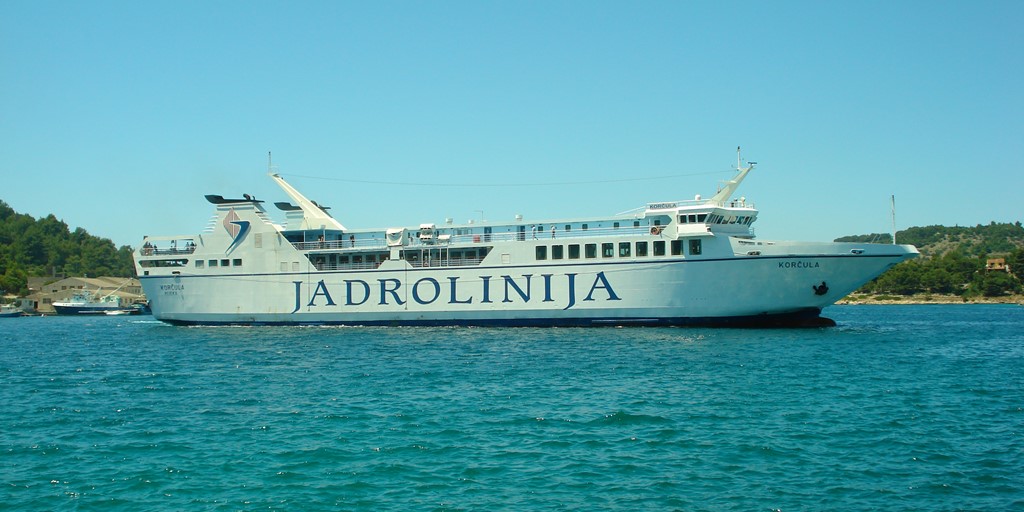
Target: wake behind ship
column 694, row 262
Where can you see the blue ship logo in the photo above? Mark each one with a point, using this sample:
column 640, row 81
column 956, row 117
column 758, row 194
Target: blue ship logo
column 236, row 228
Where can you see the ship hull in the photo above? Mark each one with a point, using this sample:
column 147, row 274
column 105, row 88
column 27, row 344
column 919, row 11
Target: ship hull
column 764, row 291
column 82, row 310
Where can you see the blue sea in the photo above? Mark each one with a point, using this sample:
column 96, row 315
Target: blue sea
column 896, row 408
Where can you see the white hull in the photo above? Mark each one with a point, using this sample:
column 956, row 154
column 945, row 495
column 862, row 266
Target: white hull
column 677, row 263
column 765, row 289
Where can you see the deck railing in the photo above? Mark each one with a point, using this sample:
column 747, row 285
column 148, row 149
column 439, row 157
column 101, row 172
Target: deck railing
column 154, row 251
column 372, row 243
column 432, row 263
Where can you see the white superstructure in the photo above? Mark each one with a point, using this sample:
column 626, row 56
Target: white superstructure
column 671, row 263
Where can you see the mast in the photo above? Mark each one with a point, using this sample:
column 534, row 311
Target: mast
column 313, row 216
column 892, row 210
column 730, row 186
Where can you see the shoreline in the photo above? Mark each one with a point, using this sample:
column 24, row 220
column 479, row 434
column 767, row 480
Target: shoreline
column 927, row 298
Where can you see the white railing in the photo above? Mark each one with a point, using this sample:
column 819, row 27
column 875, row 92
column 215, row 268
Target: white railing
column 365, row 243
column 432, row 263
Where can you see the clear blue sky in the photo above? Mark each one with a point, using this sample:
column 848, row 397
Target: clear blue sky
column 119, row 116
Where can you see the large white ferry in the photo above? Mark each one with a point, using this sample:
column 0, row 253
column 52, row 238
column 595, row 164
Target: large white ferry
column 693, row 262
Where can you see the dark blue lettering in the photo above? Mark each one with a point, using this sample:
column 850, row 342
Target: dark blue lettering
column 453, row 298
column 298, row 294
column 572, row 291
column 487, row 289
column 547, row 287
column 604, row 285
column 348, row 289
column 416, row 290
column 510, row 282
column 393, row 291
column 321, row 289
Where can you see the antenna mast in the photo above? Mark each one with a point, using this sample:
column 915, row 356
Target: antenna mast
column 892, row 207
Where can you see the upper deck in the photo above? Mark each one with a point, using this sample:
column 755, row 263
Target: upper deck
column 309, row 229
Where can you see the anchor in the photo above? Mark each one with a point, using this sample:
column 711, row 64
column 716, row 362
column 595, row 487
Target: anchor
column 821, row 289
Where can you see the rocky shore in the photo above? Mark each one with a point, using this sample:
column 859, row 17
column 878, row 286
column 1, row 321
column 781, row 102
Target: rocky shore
column 928, row 298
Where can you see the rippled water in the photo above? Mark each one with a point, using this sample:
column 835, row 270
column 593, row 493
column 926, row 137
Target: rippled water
column 898, row 408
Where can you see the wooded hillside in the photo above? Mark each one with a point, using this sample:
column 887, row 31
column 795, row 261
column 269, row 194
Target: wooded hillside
column 953, row 261
column 41, row 247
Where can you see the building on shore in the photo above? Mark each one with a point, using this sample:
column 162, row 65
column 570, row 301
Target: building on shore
column 43, row 294
column 998, row 264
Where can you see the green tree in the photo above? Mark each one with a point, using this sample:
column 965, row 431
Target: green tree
column 996, row 283
column 36, row 247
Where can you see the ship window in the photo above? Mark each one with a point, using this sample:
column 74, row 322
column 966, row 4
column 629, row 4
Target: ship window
column 162, row 263
column 236, row 262
column 641, row 248
column 692, row 218
column 200, row 263
column 590, row 250
column 659, row 247
column 584, row 227
column 225, row 263
column 568, row 227
column 607, row 250
column 615, row 225
column 624, row 248
column 284, row 266
column 702, row 217
column 682, row 219
column 657, row 222
column 695, row 247
column 212, row 263
column 557, row 252
column 295, row 266
column 677, row 247
column 542, row 252
column 574, row 252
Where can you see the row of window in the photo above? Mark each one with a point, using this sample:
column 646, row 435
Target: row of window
column 692, row 219
column 730, row 219
column 237, row 262
column 621, row 249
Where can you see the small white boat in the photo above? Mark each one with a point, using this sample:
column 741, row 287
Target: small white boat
column 86, row 303
column 10, row 311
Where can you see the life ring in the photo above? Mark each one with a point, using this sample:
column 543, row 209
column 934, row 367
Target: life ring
column 655, row 230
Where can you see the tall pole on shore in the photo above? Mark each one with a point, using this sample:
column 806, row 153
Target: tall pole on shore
column 892, row 205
